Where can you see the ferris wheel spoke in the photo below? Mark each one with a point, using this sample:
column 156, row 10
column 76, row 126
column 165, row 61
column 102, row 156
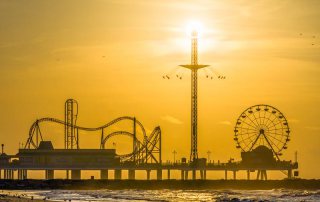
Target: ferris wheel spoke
column 255, row 142
column 275, row 129
column 248, row 137
column 275, row 138
column 267, row 120
column 249, row 124
column 265, row 117
column 270, row 141
column 246, row 134
column 269, row 123
column 246, row 141
column 256, row 126
column 246, row 146
column 277, row 134
column 280, row 130
column 255, row 118
column 246, row 130
column 249, row 129
column 271, row 147
column 277, row 123
column 272, row 121
column 269, row 113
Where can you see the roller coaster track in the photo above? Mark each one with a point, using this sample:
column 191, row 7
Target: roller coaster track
column 144, row 151
column 37, row 122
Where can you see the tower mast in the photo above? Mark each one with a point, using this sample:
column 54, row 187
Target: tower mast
column 194, row 67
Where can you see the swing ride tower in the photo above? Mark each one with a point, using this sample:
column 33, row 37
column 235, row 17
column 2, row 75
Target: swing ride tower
column 194, row 67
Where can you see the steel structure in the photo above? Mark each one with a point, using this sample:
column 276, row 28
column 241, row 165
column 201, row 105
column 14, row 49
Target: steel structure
column 147, row 150
column 70, row 131
column 262, row 125
column 194, row 67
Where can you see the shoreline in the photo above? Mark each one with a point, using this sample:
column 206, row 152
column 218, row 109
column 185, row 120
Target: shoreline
column 312, row 184
column 13, row 196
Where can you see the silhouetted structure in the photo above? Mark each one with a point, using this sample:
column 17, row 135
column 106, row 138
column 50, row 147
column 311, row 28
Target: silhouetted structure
column 70, row 132
column 262, row 133
column 40, row 154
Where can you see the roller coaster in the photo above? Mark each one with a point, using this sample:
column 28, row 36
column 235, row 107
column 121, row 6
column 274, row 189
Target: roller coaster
column 147, row 150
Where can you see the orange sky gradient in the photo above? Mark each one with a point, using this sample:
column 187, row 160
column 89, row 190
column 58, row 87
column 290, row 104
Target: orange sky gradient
column 111, row 55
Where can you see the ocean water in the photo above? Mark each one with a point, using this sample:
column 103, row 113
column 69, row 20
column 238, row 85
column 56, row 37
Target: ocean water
column 173, row 195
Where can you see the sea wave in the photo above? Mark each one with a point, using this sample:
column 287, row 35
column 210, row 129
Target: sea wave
column 174, row 195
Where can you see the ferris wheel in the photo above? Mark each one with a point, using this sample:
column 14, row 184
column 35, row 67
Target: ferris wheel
column 262, row 125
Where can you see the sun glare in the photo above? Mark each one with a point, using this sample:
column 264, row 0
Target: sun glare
column 194, row 26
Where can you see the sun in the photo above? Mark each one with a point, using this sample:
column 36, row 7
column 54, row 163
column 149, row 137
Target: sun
column 194, row 27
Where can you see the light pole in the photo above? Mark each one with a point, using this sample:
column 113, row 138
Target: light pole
column 208, row 152
column 174, row 156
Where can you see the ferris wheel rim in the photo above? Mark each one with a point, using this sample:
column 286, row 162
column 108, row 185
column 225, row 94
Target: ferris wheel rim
column 284, row 129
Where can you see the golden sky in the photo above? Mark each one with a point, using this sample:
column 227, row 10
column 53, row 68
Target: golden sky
column 110, row 56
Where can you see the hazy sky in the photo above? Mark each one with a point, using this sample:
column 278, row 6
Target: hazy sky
column 110, row 56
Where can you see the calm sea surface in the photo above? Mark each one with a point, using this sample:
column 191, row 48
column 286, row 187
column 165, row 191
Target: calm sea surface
column 173, row 195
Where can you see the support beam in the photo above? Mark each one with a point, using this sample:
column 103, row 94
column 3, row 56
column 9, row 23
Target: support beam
column 264, row 175
column 248, row 174
column 201, row 174
column 234, row 175
column 117, row 174
column 104, row 174
column 258, row 174
column 49, row 174
column 194, row 174
column 159, row 174
column 205, row 174
column 131, row 174
column 19, row 174
column 25, row 174
column 225, row 174
column 76, row 174
column 148, row 174
column 168, row 174
column 182, row 174
column 186, row 174
column 289, row 174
